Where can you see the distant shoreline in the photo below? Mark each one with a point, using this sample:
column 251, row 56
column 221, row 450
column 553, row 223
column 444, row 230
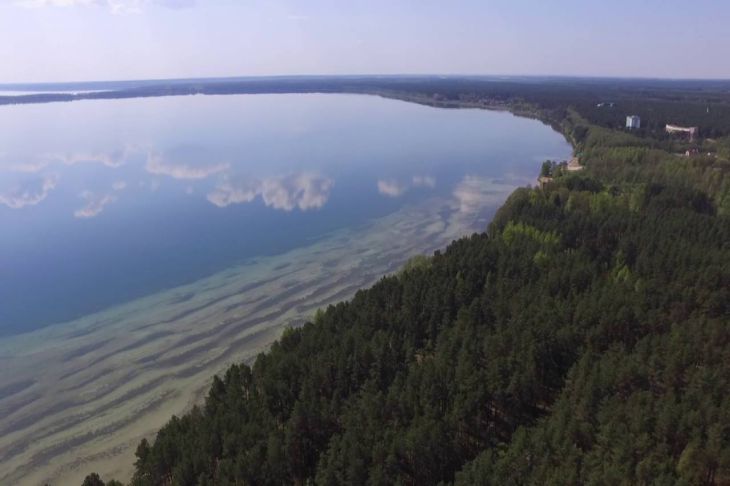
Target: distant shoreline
column 433, row 91
column 389, row 88
column 424, row 89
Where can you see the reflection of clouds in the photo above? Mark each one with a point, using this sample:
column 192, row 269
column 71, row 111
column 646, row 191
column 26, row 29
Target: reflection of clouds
column 95, row 204
column 156, row 164
column 152, row 185
column 31, row 166
column 112, row 160
column 304, row 190
column 37, row 163
column 119, row 185
column 475, row 193
column 29, row 192
column 307, row 191
column 393, row 188
column 424, row 181
column 229, row 192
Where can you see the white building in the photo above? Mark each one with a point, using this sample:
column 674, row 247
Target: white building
column 633, row 121
column 692, row 131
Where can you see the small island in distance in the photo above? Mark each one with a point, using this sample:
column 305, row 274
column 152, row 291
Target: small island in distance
column 582, row 338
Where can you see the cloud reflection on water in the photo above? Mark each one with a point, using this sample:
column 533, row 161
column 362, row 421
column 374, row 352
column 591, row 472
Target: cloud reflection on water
column 306, row 191
column 424, row 181
column 391, row 188
column 394, row 188
column 112, row 160
column 232, row 192
column 475, row 193
column 35, row 164
column 303, row 190
column 95, row 203
column 28, row 192
column 159, row 165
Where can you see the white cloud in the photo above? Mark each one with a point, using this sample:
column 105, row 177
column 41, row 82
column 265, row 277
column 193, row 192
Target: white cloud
column 157, row 165
column 56, row 3
column 304, row 191
column 94, row 204
column 114, row 6
column 28, row 193
column 125, row 6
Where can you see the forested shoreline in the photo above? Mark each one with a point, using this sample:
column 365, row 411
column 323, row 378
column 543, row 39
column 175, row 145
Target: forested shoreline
column 581, row 339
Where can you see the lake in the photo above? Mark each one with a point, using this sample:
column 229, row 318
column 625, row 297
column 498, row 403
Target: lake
column 105, row 201
column 147, row 243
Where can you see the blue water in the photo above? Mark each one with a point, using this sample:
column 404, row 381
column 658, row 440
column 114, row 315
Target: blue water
column 105, row 201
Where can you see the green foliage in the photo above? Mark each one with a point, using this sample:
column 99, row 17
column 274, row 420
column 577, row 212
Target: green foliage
column 415, row 264
column 547, row 169
column 93, row 479
column 516, row 231
column 318, row 316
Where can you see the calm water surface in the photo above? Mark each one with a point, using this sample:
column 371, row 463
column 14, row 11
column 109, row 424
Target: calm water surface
column 105, row 201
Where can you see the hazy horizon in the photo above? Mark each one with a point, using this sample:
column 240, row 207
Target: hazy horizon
column 12, row 85
column 49, row 41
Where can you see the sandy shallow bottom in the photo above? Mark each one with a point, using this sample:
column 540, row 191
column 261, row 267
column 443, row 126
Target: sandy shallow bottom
column 79, row 396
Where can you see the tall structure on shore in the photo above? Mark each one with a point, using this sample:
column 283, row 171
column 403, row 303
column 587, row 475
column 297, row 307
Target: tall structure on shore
column 633, row 121
column 691, row 131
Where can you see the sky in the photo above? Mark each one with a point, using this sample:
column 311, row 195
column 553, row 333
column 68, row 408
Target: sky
column 94, row 40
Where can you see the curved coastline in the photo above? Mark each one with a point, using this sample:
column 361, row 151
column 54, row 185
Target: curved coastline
column 123, row 369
